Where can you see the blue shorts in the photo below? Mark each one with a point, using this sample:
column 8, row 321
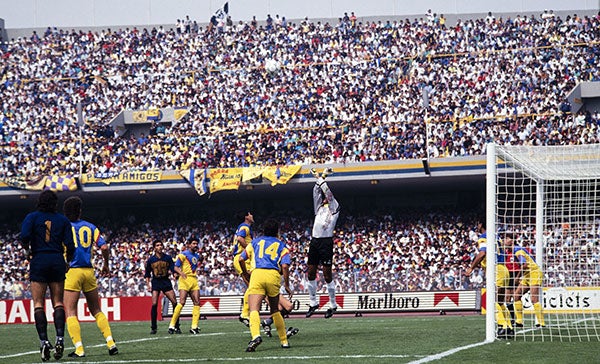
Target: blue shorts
column 47, row 268
column 161, row 284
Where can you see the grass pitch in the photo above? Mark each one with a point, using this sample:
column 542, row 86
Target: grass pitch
column 368, row 339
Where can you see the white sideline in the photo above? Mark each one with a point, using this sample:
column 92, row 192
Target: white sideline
column 429, row 358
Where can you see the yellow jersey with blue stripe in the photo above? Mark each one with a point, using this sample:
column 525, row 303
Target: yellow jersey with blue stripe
column 532, row 275
column 187, row 261
column 482, row 243
column 522, row 256
column 245, row 231
column 502, row 275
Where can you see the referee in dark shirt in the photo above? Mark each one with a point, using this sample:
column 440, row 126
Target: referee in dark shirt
column 158, row 268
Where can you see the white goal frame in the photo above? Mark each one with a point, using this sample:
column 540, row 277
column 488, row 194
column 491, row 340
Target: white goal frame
column 543, row 166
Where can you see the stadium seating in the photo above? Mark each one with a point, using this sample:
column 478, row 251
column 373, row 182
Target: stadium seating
column 376, row 253
column 340, row 93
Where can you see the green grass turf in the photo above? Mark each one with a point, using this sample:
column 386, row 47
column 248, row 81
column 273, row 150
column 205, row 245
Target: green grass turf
column 368, row 339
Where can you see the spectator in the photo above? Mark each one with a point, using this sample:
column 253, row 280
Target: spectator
column 321, row 121
column 413, row 251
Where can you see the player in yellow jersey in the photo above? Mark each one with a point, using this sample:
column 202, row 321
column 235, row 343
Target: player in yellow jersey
column 243, row 236
column 505, row 329
column 186, row 264
column 530, row 280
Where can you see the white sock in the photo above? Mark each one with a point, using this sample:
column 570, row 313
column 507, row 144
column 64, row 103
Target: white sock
column 312, row 292
column 331, row 291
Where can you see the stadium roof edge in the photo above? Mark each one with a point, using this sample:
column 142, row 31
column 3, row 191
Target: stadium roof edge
column 447, row 174
column 347, row 172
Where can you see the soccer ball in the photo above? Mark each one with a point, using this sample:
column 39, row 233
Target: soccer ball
column 272, row 65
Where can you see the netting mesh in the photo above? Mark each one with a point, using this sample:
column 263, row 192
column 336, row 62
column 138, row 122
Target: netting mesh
column 548, row 204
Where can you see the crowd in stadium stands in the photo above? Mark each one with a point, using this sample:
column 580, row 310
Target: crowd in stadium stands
column 294, row 92
column 377, row 253
column 372, row 254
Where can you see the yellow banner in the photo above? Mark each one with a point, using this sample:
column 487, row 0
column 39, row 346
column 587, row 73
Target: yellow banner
column 58, row 183
column 139, row 116
column 252, row 173
column 225, row 179
column 197, row 178
column 136, row 176
column 280, row 175
column 179, row 113
column 154, row 114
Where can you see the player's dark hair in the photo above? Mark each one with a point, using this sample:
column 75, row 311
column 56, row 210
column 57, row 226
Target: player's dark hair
column 158, row 241
column 481, row 226
column 47, row 201
column 271, row 227
column 72, row 208
column 241, row 215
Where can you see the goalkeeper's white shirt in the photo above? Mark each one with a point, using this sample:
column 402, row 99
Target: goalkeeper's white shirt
column 326, row 214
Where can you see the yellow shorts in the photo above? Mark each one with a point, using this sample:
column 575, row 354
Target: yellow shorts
column 533, row 278
column 266, row 282
column 502, row 276
column 188, row 284
column 236, row 264
column 81, row 279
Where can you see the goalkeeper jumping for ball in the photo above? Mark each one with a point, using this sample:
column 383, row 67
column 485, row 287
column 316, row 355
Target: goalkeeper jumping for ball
column 320, row 250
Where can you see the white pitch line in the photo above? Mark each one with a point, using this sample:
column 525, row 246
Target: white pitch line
column 249, row 358
column 101, row 345
column 429, row 358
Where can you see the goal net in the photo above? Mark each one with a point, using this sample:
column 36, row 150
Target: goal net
column 543, row 211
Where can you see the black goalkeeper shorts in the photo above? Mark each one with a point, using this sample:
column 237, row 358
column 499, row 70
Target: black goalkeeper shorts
column 162, row 284
column 320, row 251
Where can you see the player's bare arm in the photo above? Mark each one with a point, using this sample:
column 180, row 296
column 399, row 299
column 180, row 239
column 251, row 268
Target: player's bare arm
column 180, row 272
column 475, row 262
column 105, row 256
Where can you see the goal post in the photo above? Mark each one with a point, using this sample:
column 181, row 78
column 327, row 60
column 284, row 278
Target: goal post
column 543, row 205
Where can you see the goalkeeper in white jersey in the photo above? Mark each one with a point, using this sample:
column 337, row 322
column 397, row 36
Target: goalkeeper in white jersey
column 320, row 250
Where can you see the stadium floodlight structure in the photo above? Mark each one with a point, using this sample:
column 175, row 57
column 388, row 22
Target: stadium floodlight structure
column 548, row 199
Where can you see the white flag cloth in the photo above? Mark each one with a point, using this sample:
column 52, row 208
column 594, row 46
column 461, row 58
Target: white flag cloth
column 220, row 14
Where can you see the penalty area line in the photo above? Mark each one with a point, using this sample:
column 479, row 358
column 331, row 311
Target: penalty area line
column 446, row 353
column 118, row 342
